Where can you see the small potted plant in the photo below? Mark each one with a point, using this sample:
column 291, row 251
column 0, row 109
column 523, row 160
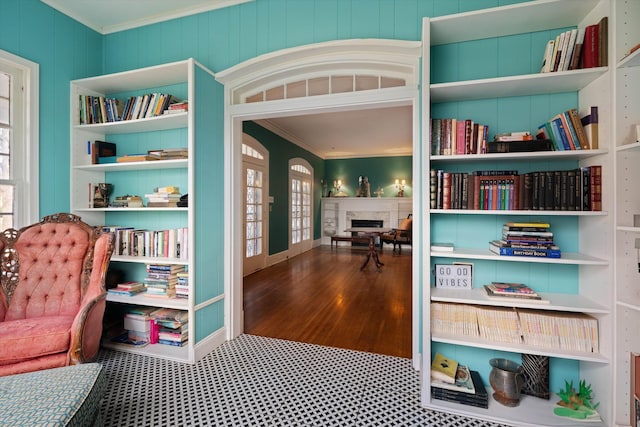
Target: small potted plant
column 577, row 403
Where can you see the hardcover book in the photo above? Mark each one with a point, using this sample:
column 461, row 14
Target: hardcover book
column 478, row 399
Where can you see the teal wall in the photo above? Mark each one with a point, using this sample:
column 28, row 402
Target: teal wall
column 381, row 172
column 65, row 50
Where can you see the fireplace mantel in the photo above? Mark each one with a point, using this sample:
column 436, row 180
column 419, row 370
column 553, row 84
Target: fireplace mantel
column 337, row 212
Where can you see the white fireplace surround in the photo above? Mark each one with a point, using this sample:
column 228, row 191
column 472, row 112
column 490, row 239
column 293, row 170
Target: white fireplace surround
column 337, row 213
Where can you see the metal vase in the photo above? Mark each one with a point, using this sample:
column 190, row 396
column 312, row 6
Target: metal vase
column 506, row 379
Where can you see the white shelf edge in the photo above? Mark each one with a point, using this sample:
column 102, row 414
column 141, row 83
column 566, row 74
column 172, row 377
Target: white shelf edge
column 141, row 299
column 628, row 147
column 531, row 412
column 533, row 155
column 516, row 212
column 147, row 77
column 526, row 84
column 149, row 260
column 632, row 60
column 558, row 302
column 628, row 306
column 163, row 122
column 486, row 254
column 168, row 352
column 480, row 24
column 130, row 209
column 628, row 228
column 518, row 348
column 127, row 166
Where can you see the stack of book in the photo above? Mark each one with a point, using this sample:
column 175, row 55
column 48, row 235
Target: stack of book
column 178, row 107
column 169, row 153
column 127, row 289
column 163, row 197
column 531, row 239
column 513, row 292
column 173, row 326
column 454, row 319
column 517, row 142
column 182, row 286
column 454, row 382
column 139, row 326
column 161, row 280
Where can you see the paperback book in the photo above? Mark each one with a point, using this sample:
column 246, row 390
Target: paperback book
column 463, row 382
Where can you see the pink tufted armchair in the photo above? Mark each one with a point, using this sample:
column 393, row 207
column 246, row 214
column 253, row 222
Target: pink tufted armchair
column 52, row 296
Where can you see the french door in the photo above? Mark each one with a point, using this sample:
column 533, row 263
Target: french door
column 301, row 207
column 254, row 165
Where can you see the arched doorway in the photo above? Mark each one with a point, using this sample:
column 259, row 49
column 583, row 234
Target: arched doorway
column 335, row 76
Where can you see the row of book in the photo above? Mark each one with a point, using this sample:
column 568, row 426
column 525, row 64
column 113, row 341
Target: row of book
column 559, row 190
column 526, row 239
column 547, row 329
column 143, row 325
column 454, row 382
column 451, row 136
column 568, row 131
column 101, row 109
column 131, row 241
column 577, row 48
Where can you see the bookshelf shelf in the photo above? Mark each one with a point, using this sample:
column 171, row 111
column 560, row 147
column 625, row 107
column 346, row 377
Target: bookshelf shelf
column 482, row 24
column 149, row 260
column 629, row 61
column 552, row 155
column 486, row 254
column 143, row 209
column 516, row 212
column 500, row 97
column 134, row 166
column 530, row 84
column 141, row 299
column 181, row 79
column 168, row 352
column 165, row 122
column 518, row 348
column 532, row 412
column 559, row 302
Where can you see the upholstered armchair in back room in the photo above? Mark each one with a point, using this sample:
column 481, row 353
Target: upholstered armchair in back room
column 53, row 295
column 399, row 236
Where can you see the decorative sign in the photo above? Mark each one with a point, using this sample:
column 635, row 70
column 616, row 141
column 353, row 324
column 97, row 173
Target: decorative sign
column 454, row 276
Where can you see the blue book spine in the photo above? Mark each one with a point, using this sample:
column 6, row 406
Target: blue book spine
column 558, row 127
column 538, row 253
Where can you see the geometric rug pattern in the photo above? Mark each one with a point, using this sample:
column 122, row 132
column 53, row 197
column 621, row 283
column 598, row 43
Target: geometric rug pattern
column 259, row 381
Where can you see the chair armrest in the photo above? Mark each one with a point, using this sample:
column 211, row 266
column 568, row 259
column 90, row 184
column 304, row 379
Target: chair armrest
column 86, row 331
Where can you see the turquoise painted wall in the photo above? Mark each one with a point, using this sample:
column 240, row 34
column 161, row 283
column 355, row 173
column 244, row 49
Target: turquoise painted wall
column 65, row 50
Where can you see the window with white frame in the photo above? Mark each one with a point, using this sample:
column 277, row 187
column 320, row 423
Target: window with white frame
column 18, row 141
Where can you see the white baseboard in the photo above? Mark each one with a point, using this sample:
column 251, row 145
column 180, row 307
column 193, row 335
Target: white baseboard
column 210, row 343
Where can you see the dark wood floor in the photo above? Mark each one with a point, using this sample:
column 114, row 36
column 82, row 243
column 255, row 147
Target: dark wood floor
column 322, row 297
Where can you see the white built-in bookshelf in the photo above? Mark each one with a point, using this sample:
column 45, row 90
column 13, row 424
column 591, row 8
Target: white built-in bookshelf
column 590, row 266
column 138, row 178
column 626, row 116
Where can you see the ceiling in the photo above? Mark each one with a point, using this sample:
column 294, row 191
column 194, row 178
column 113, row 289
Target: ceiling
column 349, row 134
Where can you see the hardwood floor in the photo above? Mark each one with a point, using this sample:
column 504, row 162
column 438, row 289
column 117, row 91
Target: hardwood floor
column 322, row 297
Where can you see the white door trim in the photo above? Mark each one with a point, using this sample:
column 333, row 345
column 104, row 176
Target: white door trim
column 236, row 113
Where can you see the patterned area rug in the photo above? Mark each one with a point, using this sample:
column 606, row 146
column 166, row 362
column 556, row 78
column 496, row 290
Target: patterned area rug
column 258, row 381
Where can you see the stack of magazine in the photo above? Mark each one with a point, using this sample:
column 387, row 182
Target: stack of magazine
column 465, row 387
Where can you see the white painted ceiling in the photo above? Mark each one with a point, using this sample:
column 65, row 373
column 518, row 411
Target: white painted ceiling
column 350, row 134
